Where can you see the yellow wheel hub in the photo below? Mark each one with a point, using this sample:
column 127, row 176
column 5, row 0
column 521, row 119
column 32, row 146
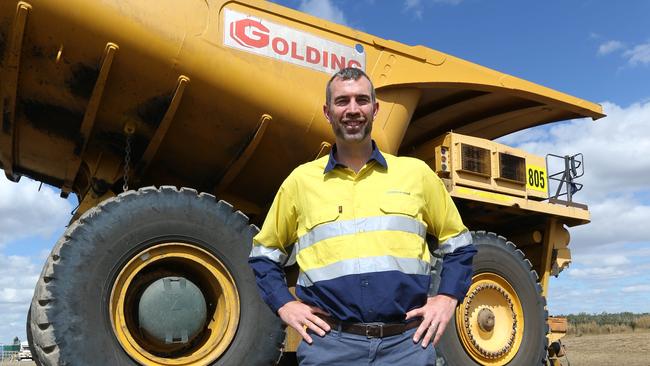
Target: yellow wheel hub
column 202, row 269
column 490, row 320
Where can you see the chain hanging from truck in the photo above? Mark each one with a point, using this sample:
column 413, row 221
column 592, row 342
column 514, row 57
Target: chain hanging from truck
column 127, row 157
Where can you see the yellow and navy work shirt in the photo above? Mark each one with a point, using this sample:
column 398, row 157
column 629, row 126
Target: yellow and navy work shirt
column 360, row 239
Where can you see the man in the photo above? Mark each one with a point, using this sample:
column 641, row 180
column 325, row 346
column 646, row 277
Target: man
column 357, row 222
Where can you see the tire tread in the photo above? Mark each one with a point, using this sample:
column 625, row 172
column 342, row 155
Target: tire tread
column 490, row 238
column 42, row 327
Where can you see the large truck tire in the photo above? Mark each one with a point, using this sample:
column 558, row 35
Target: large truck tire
column 111, row 283
column 30, row 338
column 502, row 320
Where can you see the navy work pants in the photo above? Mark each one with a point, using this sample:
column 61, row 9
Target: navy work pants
column 345, row 349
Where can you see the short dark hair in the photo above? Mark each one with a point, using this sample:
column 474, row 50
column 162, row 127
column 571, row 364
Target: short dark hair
column 348, row 73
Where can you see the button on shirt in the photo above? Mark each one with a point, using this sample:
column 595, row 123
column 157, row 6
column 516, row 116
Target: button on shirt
column 360, row 239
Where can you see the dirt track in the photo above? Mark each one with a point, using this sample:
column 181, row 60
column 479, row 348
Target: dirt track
column 629, row 349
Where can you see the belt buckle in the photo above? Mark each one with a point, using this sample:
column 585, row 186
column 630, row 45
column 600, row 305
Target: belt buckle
column 370, row 327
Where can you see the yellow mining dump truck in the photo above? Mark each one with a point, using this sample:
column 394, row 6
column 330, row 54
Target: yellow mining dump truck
column 122, row 102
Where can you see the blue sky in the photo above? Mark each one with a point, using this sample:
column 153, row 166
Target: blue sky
column 554, row 43
column 591, row 49
column 596, row 50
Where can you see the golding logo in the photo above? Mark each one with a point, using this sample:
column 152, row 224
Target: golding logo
column 255, row 35
column 238, row 33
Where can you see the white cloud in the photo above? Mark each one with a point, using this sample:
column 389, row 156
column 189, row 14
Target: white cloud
column 18, row 276
column 29, row 218
column 15, row 295
column 597, row 291
column 639, row 54
column 325, row 9
column 614, row 221
column 410, row 4
column 597, row 273
column 617, row 171
column 416, row 6
column 609, row 260
column 615, row 149
column 565, row 299
column 613, row 251
column 636, row 288
column 609, row 47
column 26, row 211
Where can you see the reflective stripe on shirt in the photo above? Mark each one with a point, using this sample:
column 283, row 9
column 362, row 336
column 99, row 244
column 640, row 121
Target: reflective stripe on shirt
column 364, row 265
column 274, row 254
column 359, row 238
column 451, row 244
column 363, row 224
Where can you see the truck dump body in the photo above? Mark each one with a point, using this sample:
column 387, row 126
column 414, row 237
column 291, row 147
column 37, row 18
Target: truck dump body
column 122, row 101
column 195, row 101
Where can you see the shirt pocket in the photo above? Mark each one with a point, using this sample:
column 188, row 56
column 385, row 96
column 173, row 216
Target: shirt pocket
column 400, row 205
column 320, row 215
column 320, row 224
column 407, row 231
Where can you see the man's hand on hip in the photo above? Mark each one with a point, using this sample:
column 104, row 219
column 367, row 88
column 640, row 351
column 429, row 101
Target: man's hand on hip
column 298, row 315
column 435, row 315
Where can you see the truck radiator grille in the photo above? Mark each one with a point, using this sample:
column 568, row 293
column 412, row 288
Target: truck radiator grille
column 512, row 168
column 475, row 159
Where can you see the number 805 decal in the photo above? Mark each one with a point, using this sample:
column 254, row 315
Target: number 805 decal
column 536, row 178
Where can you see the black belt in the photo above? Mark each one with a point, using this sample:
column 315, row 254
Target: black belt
column 371, row 330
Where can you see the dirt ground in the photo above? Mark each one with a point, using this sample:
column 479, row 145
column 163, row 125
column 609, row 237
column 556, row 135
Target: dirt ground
column 629, row 349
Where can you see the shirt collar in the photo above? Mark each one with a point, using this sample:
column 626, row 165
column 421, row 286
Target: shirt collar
column 376, row 155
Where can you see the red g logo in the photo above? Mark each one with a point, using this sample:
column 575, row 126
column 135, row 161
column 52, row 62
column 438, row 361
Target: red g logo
column 259, row 34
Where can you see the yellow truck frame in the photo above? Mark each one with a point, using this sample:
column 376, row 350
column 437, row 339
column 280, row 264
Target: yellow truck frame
column 121, row 101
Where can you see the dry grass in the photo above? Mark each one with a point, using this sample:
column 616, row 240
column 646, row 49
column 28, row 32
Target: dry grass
column 593, row 328
column 643, row 322
column 605, row 323
column 629, row 349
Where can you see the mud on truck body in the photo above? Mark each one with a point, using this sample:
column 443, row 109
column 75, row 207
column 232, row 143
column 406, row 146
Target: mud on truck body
column 174, row 123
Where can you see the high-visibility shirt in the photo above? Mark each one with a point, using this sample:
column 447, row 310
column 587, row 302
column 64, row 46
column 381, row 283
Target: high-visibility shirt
column 360, row 239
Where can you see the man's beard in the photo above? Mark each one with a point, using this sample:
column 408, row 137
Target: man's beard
column 362, row 134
